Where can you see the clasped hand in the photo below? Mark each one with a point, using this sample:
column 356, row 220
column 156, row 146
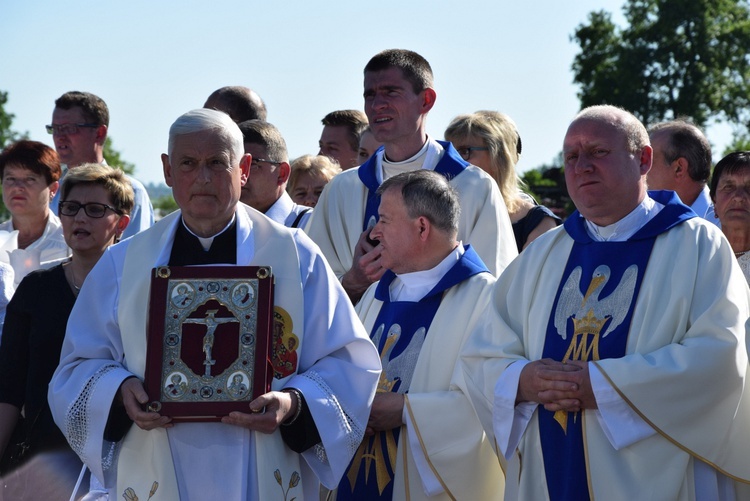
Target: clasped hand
column 556, row 385
column 386, row 414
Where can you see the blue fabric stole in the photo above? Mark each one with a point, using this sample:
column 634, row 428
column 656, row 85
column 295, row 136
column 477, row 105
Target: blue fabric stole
column 450, row 166
column 590, row 320
column 398, row 332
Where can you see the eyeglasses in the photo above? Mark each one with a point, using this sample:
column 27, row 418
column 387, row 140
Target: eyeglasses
column 466, row 151
column 256, row 162
column 69, row 129
column 92, row 209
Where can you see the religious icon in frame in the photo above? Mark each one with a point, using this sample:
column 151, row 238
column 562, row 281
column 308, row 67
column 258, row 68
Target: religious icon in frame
column 209, row 340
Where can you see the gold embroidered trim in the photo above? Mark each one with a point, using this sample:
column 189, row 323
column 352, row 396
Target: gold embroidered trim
column 422, row 446
column 586, row 456
column 658, row 430
column 403, row 436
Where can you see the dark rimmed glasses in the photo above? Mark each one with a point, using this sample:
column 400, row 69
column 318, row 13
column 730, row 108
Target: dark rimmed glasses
column 255, row 164
column 92, row 209
column 67, row 128
column 466, row 151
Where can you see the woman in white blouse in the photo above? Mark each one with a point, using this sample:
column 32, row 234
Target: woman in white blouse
column 29, row 173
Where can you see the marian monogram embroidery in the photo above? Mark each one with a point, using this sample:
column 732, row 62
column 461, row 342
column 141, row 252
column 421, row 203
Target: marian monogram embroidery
column 381, row 449
column 593, row 316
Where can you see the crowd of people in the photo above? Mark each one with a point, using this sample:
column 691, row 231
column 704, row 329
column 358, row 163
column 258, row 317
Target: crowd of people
column 437, row 334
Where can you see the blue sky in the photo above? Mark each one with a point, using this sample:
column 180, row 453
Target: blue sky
column 151, row 61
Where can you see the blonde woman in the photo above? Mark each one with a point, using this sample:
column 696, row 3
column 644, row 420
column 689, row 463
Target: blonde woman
column 310, row 174
column 490, row 140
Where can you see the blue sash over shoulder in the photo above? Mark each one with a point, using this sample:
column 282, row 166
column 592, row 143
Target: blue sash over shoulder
column 450, row 166
column 590, row 320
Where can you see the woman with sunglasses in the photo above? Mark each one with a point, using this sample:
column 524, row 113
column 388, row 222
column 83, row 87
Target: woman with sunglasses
column 29, row 172
column 95, row 204
column 490, row 140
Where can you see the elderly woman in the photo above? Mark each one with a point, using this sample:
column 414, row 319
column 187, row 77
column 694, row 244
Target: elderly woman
column 29, row 172
column 490, row 140
column 94, row 207
column 310, row 174
column 730, row 192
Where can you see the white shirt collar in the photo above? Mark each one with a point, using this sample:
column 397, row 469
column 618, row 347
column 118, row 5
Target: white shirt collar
column 280, row 209
column 207, row 241
column 627, row 226
column 426, row 158
column 415, row 285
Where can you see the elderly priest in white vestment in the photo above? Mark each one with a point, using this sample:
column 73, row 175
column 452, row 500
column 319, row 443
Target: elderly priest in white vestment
column 424, row 440
column 613, row 364
column 311, row 422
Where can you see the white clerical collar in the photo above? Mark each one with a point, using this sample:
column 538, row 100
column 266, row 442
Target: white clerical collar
column 426, row 158
column 207, row 241
column 627, row 226
column 415, row 285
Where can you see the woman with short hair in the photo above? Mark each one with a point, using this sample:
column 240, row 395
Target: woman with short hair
column 730, row 192
column 29, row 173
column 96, row 201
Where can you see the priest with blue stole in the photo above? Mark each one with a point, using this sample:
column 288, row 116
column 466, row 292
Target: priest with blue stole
column 612, row 362
column 423, row 440
column 398, row 95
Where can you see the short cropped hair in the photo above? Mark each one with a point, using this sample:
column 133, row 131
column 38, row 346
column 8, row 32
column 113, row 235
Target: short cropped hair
column 240, row 103
column 314, row 165
column 686, row 140
column 734, row 162
column 427, row 193
column 500, row 135
column 414, row 67
column 33, row 155
column 266, row 135
column 93, row 107
column 620, row 118
column 355, row 122
column 113, row 180
column 203, row 119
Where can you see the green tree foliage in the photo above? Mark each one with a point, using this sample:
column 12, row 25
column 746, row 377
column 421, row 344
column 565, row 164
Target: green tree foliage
column 114, row 159
column 675, row 58
column 164, row 205
column 546, row 184
column 740, row 142
column 7, row 134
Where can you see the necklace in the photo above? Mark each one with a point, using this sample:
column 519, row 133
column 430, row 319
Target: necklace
column 72, row 280
column 740, row 254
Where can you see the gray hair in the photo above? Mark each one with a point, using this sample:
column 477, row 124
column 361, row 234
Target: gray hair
column 427, row 193
column 203, row 119
column 686, row 140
